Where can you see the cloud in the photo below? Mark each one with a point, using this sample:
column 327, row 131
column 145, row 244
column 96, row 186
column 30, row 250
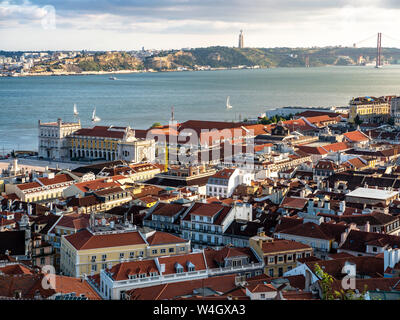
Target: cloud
column 266, row 22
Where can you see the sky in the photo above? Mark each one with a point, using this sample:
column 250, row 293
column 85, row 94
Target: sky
column 174, row 24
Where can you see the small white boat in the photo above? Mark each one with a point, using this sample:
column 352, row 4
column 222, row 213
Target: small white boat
column 94, row 117
column 113, row 78
column 228, row 106
column 75, row 110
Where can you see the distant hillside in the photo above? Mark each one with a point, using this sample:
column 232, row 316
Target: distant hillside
column 225, row 57
column 113, row 61
column 215, row 57
column 101, row 61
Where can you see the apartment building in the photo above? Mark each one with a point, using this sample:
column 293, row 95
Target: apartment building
column 223, row 183
column 370, row 109
column 279, row 256
column 205, row 223
column 44, row 189
column 102, row 246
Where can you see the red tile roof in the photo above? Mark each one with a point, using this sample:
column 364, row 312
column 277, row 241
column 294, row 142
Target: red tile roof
column 61, row 178
column 97, row 184
column 30, row 284
column 167, row 209
column 122, row 271
column 356, row 136
column 27, row 186
column 85, row 240
column 14, row 269
column 338, row 146
column 161, row 238
column 74, row 221
column 197, row 259
column 224, row 284
column 294, row 203
column 326, row 231
column 283, row 245
column 100, row 131
column 205, row 209
column 215, row 258
column 261, row 287
column 224, row 173
column 313, row 150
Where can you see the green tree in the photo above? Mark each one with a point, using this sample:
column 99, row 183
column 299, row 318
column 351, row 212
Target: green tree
column 156, row 124
column 357, row 120
column 328, row 293
column 264, row 121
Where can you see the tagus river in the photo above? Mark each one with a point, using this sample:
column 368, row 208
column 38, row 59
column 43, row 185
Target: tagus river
column 140, row 99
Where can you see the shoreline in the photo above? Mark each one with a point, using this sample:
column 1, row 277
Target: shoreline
column 88, row 73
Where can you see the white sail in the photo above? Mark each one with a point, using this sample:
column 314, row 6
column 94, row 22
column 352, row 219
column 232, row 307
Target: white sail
column 94, row 117
column 75, row 110
column 228, row 106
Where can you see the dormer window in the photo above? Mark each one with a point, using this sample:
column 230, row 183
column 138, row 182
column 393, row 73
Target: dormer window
column 132, row 276
column 190, row 266
column 178, row 268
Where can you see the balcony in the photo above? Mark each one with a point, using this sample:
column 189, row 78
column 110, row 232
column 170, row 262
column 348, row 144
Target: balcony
column 201, row 230
column 246, row 267
column 151, row 281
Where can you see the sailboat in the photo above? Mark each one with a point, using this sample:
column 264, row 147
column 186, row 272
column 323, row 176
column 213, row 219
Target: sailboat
column 228, row 106
column 75, row 110
column 94, row 117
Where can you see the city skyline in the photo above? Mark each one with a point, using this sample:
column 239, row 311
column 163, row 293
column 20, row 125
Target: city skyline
column 131, row 25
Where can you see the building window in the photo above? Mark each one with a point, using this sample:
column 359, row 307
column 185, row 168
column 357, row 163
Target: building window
column 182, row 249
column 94, row 267
column 262, row 295
column 271, row 260
column 154, row 251
column 271, row 272
column 104, row 257
column 280, row 272
column 162, row 250
column 170, row 250
column 121, row 255
column 93, row 258
column 131, row 255
column 280, row 258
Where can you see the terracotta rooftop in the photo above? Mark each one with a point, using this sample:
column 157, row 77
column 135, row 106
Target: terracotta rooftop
column 278, row 245
column 161, row 238
column 85, row 240
column 122, row 271
column 175, row 290
column 197, row 259
column 294, row 203
column 101, row 131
